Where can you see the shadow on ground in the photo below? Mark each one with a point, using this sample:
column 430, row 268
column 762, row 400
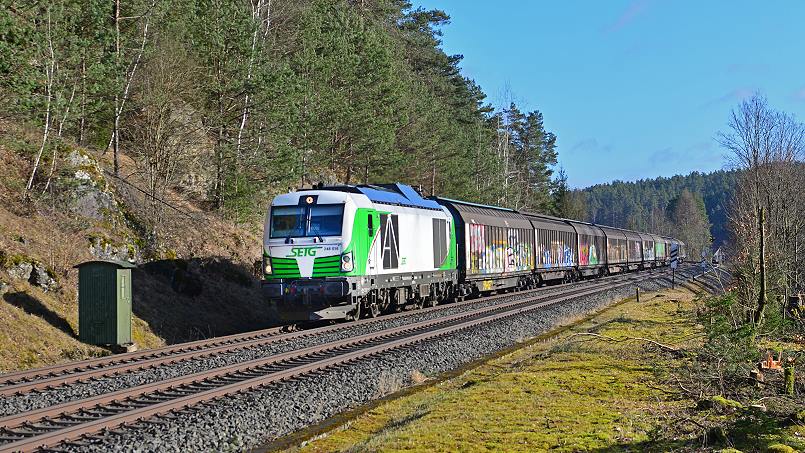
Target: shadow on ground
column 33, row 306
column 185, row 300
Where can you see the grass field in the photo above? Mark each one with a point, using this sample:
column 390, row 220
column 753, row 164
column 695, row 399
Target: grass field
column 600, row 384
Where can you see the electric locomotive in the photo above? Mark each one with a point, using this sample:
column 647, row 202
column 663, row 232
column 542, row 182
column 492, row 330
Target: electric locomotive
column 349, row 251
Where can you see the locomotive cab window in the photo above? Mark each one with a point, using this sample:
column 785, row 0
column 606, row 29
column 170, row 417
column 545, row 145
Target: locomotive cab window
column 325, row 220
column 287, row 221
column 306, row 221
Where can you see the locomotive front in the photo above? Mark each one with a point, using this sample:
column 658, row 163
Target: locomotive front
column 307, row 254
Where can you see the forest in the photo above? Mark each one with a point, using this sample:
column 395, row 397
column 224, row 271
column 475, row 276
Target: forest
column 229, row 102
column 648, row 204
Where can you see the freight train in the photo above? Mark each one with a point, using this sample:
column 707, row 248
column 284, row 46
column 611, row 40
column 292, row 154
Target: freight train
column 356, row 251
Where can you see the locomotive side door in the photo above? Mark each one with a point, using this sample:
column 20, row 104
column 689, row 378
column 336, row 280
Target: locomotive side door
column 373, row 256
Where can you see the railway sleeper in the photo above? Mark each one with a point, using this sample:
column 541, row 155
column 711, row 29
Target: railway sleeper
column 8, row 438
column 65, row 423
column 150, row 400
column 83, row 418
column 25, row 432
column 105, row 412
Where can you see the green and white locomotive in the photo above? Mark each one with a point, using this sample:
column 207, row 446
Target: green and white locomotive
column 349, row 251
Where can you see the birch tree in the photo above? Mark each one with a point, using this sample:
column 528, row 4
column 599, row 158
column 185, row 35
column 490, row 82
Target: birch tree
column 768, row 146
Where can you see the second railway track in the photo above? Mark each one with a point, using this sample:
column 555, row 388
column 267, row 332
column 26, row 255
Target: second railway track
column 68, row 373
column 66, row 422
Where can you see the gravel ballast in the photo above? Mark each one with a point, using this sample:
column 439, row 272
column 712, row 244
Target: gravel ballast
column 80, row 390
column 249, row 420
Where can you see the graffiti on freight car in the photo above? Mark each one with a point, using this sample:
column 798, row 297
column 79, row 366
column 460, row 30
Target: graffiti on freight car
column 494, row 249
column 659, row 248
column 567, row 256
column 634, row 250
column 588, row 254
column 648, row 250
column 558, row 254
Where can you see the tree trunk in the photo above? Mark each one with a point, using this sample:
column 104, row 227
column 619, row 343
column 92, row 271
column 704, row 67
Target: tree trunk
column 81, row 123
column 433, row 176
column 116, row 127
column 761, row 303
column 49, row 73
column 219, row 175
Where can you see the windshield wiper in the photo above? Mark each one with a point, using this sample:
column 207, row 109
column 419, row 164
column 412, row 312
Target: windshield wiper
column 316, row 235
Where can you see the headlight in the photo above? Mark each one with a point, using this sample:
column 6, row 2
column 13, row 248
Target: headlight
column 267, row 265
column 346, row 262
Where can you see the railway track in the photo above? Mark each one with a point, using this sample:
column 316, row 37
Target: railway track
column 68, row 373
column 73, row 420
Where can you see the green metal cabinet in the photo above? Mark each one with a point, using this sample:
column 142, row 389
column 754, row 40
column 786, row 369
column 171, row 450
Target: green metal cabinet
column 104, row 302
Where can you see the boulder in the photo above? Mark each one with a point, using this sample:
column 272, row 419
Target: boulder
column 725, row 405
column 103, row 248
column 41, row 277
column 90, row 201
column 21, row 271
column 78, row 159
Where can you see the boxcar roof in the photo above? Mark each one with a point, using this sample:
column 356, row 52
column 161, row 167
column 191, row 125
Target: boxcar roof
column 614, row 232
column 549, row 223
column 632, row 235
column 646, row 236
column 487, row 215
column 586, row 228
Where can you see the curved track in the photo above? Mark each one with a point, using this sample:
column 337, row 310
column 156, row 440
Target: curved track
column 68, row 373
column 50, row 426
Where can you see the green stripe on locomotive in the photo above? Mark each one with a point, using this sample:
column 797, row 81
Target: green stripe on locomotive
column 362, row 239
column 283, row 268
column 449, row 262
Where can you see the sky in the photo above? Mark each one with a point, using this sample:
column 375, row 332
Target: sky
column 632, row 88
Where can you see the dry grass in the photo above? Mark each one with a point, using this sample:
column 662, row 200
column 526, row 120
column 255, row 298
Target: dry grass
column 417, row 377
column 39, row 328
column 387, row 384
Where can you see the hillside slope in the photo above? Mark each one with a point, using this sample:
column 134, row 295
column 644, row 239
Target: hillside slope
column 185, row 264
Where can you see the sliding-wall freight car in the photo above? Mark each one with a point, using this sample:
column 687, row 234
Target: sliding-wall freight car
column 495, row 247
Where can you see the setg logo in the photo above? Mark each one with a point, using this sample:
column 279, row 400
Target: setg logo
column 303, row 251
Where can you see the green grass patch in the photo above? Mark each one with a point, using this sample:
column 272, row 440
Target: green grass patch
column 599, row 385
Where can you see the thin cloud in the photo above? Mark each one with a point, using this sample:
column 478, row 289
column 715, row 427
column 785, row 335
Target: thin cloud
column 589, row 145
column 737, row 68
column 736, row 95
column 799, row 95
column 693, row 156
column 664, row 156
column 635, row 8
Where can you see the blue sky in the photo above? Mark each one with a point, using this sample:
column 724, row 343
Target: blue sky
column 632, row 88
